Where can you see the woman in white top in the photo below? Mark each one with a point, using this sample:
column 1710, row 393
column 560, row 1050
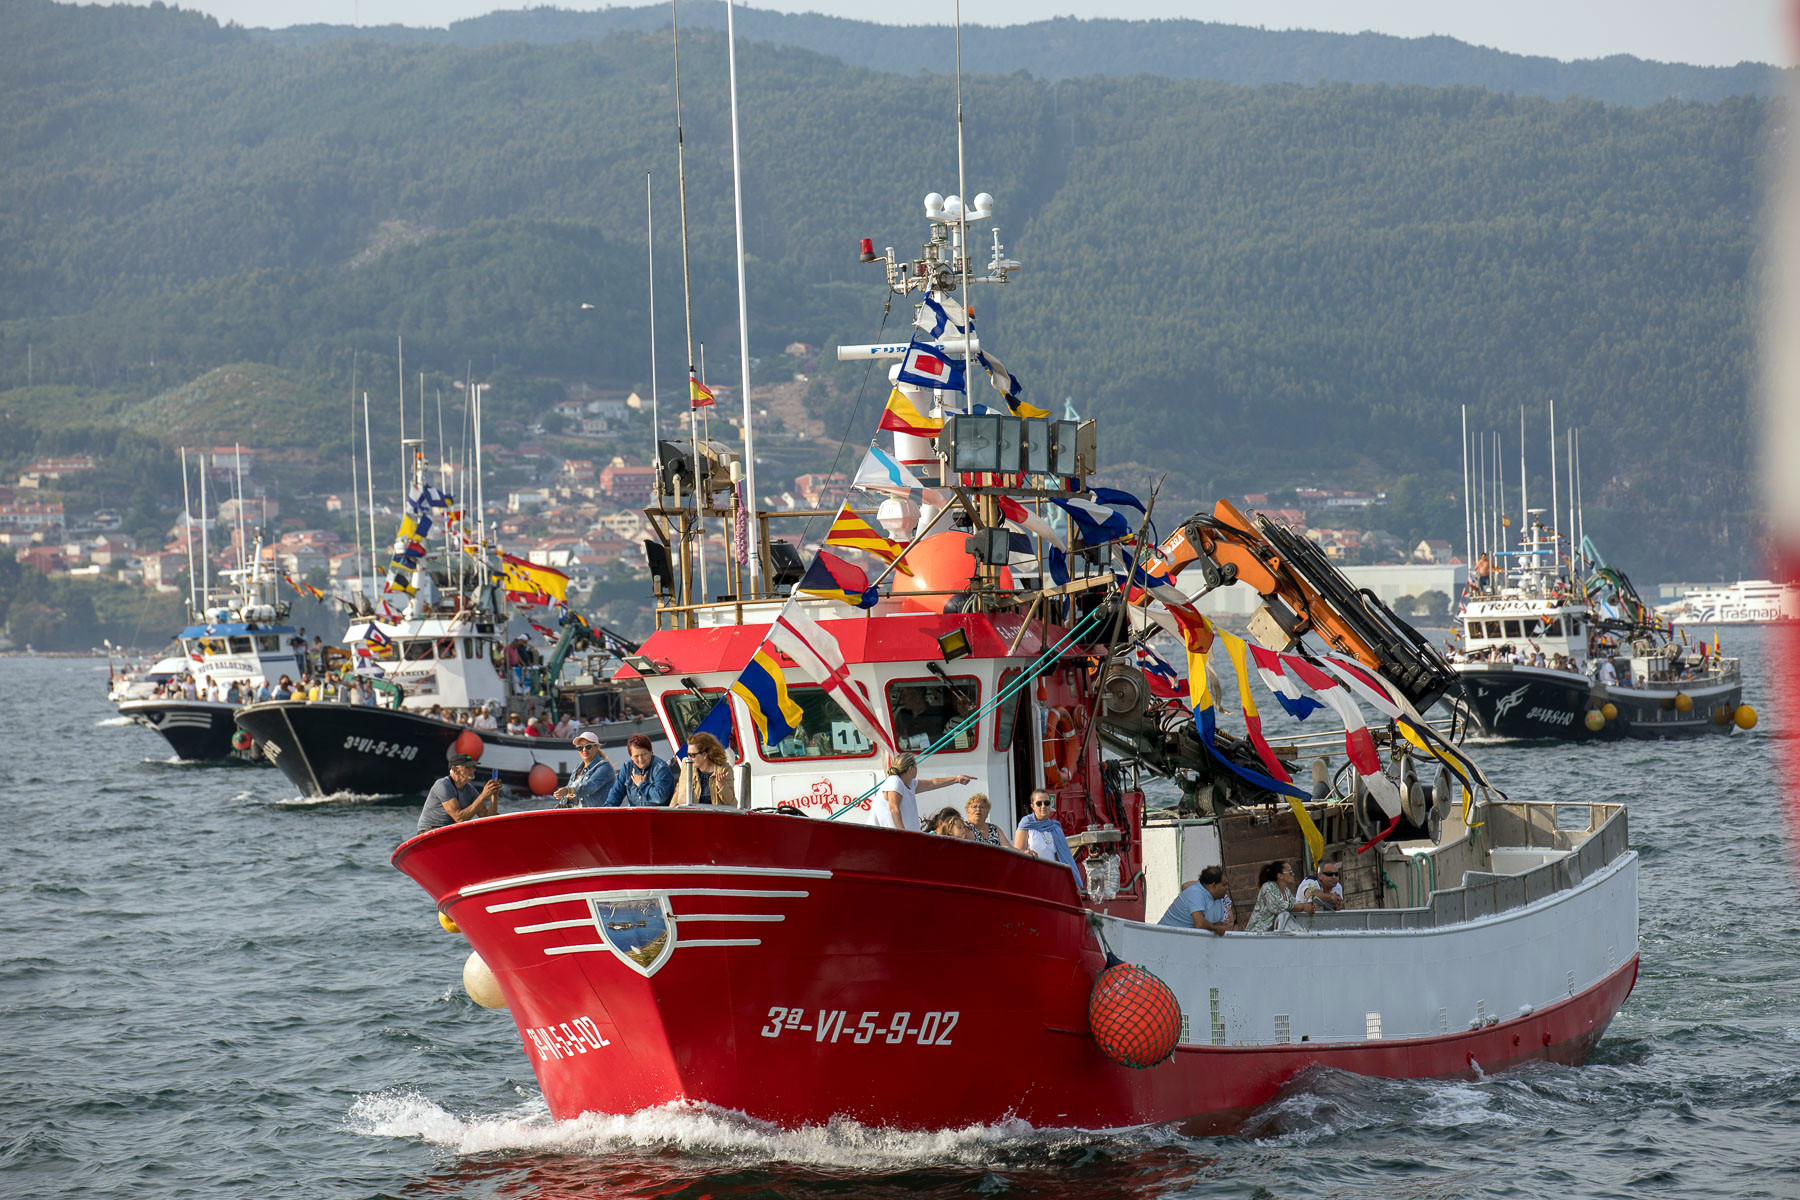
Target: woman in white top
column 901, row 792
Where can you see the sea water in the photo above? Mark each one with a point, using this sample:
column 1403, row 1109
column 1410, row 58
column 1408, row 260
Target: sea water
column 215, row 988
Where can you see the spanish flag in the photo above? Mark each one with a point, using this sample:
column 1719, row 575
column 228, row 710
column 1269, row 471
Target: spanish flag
column 763, row 689
column 903, row 416
column 699, row 395
column 854, row 533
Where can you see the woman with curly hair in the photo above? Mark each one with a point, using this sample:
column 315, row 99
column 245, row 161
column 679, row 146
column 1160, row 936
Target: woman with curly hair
column 705, row 774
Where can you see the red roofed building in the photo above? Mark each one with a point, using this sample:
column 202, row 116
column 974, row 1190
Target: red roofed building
column 627, row 484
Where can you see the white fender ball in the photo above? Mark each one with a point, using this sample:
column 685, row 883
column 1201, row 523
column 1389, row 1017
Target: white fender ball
column 479, row 982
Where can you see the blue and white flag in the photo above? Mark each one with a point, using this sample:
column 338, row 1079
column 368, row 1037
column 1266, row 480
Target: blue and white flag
column 1097, row 523
column 940, row 317
column 879, row 472
column 927, row 366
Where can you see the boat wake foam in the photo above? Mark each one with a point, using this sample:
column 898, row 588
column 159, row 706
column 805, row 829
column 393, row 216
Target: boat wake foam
column 710, row 1132
column 347, row 799
column 112, row 722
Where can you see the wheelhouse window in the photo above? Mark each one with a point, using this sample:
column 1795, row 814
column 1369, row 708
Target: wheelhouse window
column 446, row 647
column 268, row 643
column 686, row 711
column 416, row 650
column 824, row 732
column 1553, row 628
column 240, row 645
column 211, row 646
column 1493, row 630
column 1514, row 629
column 1006, row 714
column 924, row 710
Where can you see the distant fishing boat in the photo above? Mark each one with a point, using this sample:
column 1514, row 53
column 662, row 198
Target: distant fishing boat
column 1554, row 643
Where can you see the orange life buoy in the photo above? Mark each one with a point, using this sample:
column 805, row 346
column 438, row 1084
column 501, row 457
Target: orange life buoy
column 1061, row 747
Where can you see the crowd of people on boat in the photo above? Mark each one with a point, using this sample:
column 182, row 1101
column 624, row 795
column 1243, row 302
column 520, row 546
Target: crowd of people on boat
column 1282, row 905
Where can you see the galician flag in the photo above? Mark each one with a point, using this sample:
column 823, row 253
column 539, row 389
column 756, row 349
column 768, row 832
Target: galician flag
column 879, row 472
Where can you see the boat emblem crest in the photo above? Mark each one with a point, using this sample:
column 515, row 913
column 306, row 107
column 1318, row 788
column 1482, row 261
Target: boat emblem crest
column 1510, row 701
column 640, row 930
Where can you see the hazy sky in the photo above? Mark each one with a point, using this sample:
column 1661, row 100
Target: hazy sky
column 1714, row 32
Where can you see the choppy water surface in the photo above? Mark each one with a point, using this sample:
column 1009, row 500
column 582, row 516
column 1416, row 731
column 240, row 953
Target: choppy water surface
column 214, row 988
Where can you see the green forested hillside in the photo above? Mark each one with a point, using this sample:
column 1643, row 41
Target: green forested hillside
column 1253, row 285
column 1067, row 48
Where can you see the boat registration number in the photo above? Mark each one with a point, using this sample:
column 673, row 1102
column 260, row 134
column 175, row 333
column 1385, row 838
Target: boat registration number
column 388, row 749
column 567, row 1039
column 835, row 1024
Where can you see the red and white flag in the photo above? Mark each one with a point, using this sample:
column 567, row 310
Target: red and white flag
column 818, row 656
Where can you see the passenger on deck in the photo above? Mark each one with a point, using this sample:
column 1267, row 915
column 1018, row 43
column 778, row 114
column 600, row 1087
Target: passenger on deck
column 977, row 810
column 592, row 781
column 456, row 798
column 705, row 774
column 1275, row 903
column 1202, row 905
column 900, row 790
column 515, row 725
column 947, row 822
column 1041, row 835
column 484, row 720
column 1608, row 674
column 646, row 783
column 284, row 689
column 1325, row 890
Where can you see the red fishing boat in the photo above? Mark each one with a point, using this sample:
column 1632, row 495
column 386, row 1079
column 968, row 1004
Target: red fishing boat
column 795, row 959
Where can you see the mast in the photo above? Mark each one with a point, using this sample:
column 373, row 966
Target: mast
column 187, row 526
column 962, row 198
column 687, row 310
column 369, row 463
column 1555, row 510
column 1580, row 508
column 1468, row 521
column 1524, row 501
column 237, row 451
column 205, row 565
column 1500, row 494
column 1574, row 546
column 355, row 506
column 754, row 547
column 655, row 421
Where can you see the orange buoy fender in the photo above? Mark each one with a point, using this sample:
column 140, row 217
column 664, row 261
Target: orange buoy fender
column 1134, row 1016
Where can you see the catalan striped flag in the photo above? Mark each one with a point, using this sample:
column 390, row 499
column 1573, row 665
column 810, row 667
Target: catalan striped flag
column 699, row 395
column 853, row 533
column 903, row 416
column 834, row 579
column 763, row 689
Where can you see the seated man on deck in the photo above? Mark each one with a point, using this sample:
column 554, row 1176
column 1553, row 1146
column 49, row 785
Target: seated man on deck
column 455, row 797
column 1202, row 905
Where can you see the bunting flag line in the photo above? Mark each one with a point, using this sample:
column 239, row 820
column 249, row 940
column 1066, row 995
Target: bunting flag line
column 549, row 635
column 1146, row 583
column 926, row 366
column 834, row 579
column 304, row 589
column 1359, row 745
column 1185, row 622
column 1205, row 723
column 903, row 416
column 763, row 689
column 1286, row 689
column 1022, row 518
column 368, row 634
column 1237, row 649
column 879, row 472
column 853, row 533
column 699, row 395
column 937, row 317
column 818, row 656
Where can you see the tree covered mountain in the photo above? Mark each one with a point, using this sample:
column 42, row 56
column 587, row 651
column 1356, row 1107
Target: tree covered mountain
column 1068, row 48
column 1251, row 285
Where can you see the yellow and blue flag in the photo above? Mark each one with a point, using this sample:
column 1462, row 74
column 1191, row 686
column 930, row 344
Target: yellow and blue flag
column 763, row 689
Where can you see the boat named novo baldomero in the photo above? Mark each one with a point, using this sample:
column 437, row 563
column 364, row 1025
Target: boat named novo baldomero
column 797, row 960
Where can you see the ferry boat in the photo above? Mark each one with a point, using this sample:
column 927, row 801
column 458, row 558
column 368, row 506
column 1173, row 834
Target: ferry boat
column 1563, row 648
column 440, row 658
column 239, row 638
column 1746, row 602
column 797, row 960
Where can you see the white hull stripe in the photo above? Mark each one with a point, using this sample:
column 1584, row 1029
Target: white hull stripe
column 584, row 948
column 579, row 922
column 495, row 885
column 566, row 897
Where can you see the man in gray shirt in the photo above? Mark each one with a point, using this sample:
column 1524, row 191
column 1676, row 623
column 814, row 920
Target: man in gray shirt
column 456, row 798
